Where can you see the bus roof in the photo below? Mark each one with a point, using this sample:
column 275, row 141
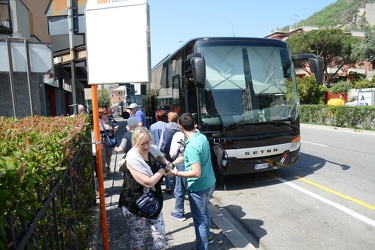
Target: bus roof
column 217, row 39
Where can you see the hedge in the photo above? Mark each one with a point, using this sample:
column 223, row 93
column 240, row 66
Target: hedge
column 357, row 117
column 35, row 151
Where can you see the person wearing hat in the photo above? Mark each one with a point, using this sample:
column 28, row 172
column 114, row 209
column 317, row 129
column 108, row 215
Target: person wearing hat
column 141, row 117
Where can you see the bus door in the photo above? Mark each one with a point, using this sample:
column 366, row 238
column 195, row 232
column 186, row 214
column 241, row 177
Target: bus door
column 195, row 77
column 188, row 92
column 192, row 97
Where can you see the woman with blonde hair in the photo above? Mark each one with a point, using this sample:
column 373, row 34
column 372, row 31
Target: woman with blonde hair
column 143, row 175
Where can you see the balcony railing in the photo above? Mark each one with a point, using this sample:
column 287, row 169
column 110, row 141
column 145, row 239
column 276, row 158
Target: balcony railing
column 4, row 29
column 333, row 71
column 358, row 71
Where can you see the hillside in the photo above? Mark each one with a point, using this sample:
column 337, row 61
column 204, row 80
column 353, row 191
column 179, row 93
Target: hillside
column 342, row 13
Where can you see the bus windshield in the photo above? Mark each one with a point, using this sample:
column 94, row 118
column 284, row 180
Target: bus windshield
column 247, row 84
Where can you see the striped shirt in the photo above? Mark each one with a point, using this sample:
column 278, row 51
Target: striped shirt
column 156, row 129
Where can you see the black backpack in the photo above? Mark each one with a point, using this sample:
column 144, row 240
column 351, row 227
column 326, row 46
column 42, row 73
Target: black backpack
column 219, row 159
column 167, row 140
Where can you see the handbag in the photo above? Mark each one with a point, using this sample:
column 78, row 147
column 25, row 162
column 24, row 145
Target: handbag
column 110, row 140
column 147, row 205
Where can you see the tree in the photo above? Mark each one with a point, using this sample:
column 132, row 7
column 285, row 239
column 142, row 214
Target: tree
column 365, row 50
column 330, row 45
column 104, row 98
column 309, row 92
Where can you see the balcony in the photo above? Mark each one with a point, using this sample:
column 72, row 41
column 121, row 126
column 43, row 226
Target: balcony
column 4, row 23
column 300, row 71
column 357, row 71
column 4, row 29
column 332, row 71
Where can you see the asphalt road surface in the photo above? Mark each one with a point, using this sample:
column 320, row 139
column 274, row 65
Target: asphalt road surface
column 326, row 201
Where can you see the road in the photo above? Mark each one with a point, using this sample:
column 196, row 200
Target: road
column 326, row 201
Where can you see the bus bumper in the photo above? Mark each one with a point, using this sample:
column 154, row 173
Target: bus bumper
column 245, row 166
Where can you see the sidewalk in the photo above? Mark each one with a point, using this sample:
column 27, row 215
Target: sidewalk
column 180, row 234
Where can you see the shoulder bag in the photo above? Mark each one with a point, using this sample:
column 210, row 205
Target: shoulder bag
column 145, row 205
column 110, row 140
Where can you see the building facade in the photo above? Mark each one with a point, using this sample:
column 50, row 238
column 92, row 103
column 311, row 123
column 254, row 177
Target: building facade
column 25, row 92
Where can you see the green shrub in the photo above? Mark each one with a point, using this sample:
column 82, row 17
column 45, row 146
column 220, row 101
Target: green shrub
column 341, row 87
column 361, row 83
column 309, row 91
column 34, row 152
column 358, row 117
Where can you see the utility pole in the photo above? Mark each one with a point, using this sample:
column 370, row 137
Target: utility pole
column 72, row 53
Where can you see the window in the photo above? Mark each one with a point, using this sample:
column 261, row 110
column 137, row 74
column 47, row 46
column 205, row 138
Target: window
column 226, row 65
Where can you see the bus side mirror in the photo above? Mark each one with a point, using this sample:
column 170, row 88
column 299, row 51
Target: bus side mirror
column 198, row 67
column 317, row 66
column 314, row 62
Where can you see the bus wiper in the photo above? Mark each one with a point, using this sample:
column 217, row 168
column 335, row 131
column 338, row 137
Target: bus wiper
column 240, row 124
column 285, row 121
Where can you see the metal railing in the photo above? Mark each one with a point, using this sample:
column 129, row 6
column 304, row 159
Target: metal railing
column 48, row 230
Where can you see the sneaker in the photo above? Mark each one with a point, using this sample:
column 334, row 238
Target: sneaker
column 177, row 217
column 210, row 240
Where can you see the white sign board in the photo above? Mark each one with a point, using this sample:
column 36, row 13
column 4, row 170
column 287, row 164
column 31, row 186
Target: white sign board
column 118, row 41
column 366, row 98
column 40, row 57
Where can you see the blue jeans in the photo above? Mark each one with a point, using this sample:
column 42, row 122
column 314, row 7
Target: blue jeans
column 180, row 191
column 167, row 181
column 201, row 216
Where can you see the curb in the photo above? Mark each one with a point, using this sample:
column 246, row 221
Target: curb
column 354, row 130
column 231, row 231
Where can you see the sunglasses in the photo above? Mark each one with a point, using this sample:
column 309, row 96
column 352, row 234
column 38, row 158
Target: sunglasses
column 145, row 143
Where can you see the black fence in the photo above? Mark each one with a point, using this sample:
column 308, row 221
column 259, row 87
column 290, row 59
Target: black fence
column 48, row 230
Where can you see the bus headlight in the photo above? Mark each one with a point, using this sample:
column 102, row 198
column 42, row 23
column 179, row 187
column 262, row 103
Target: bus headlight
column 296, row 144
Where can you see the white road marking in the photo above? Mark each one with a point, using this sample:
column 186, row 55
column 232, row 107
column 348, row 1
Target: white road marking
column 318, row 144
column 334, row 204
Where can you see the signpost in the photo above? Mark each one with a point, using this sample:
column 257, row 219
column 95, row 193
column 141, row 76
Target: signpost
column 118, row 51
column 118, row 41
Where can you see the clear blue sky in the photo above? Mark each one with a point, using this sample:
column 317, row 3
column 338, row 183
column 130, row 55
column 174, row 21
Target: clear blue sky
column 174, row 22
